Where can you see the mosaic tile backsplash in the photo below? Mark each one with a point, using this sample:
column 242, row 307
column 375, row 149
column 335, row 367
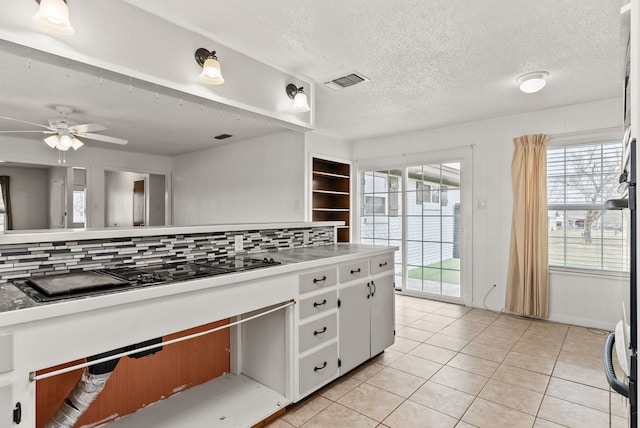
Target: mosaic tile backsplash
column 45, row 258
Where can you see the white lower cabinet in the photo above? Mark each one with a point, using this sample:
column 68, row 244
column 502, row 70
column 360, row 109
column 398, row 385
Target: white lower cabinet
column 366, row 320
column 346, row 315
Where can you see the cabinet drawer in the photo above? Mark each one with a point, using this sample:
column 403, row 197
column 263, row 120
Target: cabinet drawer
column 318, row 367
column 355, row 270
column 318, row 304
column 381, row 264
column 317, row 332
column 318, row 279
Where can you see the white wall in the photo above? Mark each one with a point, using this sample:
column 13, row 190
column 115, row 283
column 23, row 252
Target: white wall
column 492, row 152
column 255, row 180
column 118, row 195
column 28, row 187
column 95, row 160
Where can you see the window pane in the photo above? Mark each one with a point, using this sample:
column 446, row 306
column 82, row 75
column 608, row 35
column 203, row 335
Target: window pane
column 580, row 177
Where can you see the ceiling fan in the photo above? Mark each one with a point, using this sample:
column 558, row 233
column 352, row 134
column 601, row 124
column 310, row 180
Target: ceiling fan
column 64, row 133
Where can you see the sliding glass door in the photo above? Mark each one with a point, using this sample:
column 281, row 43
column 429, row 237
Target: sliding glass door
column 418, row 209
column 381, row 212
column 433, row 229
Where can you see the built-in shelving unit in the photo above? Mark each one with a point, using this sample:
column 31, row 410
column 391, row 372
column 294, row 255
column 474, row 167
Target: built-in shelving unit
column 331, row 198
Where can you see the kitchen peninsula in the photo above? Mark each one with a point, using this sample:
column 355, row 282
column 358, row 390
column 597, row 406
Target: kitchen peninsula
column 295, row 324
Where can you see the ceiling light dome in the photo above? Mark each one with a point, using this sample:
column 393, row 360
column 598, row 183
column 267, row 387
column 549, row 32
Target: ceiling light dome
column 53, row 16
column 532, row 82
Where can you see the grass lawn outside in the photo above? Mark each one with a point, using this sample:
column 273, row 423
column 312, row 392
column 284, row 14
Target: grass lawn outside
column 605, row 251
column 449, row 269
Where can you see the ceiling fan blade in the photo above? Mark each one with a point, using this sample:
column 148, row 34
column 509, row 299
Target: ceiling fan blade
column 41, row 132
column 87, row 127
column 25, row 121
column 105, row 138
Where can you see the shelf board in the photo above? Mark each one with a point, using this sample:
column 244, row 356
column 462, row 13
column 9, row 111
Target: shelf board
column 330, row 174
column 221, row 402
column 332, row 192
column 342, row 227
column 346, row 210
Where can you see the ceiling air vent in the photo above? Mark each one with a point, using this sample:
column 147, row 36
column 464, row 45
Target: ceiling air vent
column 346, row 81
column 222, row 136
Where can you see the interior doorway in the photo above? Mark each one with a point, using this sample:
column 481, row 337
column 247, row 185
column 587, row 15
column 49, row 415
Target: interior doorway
column 134, row 199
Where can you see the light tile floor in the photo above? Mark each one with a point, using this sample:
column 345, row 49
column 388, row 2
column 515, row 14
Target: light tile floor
column 453, row 366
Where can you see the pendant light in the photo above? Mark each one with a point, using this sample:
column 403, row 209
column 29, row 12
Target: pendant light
column 300, row 102
column 211, row 72
column 53, row 17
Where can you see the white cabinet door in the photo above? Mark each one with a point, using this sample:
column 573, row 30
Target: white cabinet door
column 6, row 406
column 382, row 314
column 354, row 327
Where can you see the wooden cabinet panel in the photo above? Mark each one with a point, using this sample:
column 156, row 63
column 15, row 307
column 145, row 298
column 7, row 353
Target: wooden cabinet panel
column 138, row 382
column 331, row 196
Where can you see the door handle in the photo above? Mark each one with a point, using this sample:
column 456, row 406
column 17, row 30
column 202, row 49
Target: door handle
column 369, row 293
column 374, row 289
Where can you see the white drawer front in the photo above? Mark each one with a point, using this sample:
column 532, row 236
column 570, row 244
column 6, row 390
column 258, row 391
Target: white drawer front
column 318, row 304
column 353, row 271
column 381, row 264
column 318, row 279
column 318, row 367
column 318, row 332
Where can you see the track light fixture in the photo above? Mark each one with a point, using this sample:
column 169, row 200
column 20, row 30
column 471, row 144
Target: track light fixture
column 300, row 103
column 53, row 16
column 211, row 73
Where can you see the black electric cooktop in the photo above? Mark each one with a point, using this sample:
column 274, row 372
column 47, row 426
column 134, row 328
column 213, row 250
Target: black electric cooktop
column 82, row 284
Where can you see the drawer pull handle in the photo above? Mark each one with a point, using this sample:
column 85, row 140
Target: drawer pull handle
column 316, row 304
column 317, row 332
column 383, row 264
column 355, row 271
column 316, row 368
column 316, row 280
column 374, row 289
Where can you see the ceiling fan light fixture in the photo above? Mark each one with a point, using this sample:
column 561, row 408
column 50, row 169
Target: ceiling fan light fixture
column 532, row 82
column 76, row 144
column 52, row 141
column 211, row 72
column 65, row 142
column 53, row 17
column 300, row 102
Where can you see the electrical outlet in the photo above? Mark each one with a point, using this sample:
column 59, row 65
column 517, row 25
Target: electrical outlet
column 238, row 242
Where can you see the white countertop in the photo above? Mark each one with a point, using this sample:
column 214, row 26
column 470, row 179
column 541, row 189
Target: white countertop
column 47, row 235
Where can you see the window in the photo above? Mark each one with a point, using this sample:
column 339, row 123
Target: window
column 582, row 234
column 375, row 205
column 79, row 203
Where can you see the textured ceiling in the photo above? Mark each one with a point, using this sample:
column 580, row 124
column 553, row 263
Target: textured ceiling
column 431, row 63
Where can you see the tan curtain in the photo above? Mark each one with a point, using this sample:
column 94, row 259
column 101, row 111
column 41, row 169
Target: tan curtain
column 528, row 278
